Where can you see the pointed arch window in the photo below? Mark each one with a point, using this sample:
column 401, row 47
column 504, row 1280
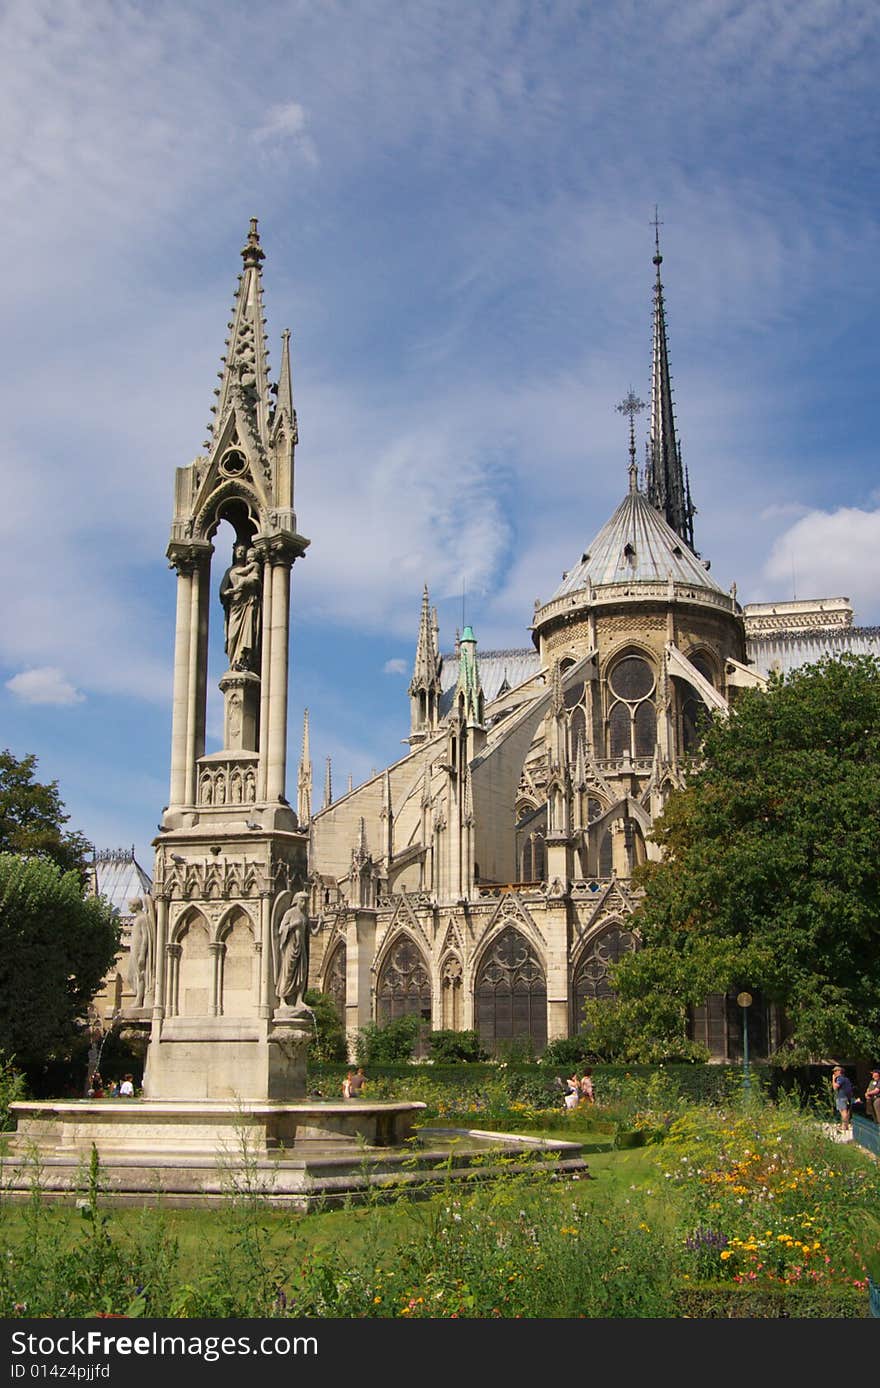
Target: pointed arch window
column 404, row 986
column 592, row 977
column 632, row 716
column 531, row 831
column 693, row 713
column 511, row 994
column 334, row 980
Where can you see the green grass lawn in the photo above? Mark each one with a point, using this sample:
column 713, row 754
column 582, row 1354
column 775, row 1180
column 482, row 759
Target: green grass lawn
column 377, row 1226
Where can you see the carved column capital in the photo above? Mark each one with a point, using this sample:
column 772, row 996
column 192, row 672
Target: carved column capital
column 188, row 556
column 281, row 548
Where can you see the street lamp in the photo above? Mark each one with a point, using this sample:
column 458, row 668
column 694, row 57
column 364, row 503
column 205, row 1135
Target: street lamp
column 744, row 1000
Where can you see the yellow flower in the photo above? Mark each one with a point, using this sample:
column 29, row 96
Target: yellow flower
column 725, row 1255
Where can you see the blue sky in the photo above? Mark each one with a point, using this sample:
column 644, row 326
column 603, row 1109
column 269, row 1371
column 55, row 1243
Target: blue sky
column 455, row 203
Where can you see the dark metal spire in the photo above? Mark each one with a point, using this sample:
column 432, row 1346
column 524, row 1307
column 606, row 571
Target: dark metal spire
column 665, row 482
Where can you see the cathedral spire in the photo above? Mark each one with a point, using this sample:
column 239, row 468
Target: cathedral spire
column 425, row 686
column 328, row 785
column 244, row 380
column 665, row 482
column 304, row 779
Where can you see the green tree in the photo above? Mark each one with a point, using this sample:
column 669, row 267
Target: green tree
column 329, row 1043
column 55, row 948
column 32, row 817
column 770, row 878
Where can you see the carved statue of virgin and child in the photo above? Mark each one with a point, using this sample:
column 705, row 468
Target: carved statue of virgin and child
column 241, row 596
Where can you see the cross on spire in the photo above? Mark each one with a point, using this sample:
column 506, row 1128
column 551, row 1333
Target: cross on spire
column 657, row 224
column 631, row 405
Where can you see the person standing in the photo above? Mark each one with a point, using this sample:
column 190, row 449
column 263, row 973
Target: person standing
column 356, row 1084
column 843, row 1095
column 346, row 1086
column 872, row 1095
column 587, row 1094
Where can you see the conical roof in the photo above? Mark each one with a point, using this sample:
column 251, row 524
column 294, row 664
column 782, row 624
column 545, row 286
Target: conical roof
column 636, row 546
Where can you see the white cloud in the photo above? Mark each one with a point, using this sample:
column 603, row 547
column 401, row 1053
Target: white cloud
column 394, row 667
column 44, row 685
column 288, row 122
column 831, row 554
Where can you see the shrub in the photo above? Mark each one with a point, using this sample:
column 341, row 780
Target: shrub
column 12, row 1087
column 450, row 1047
column 568, row 1050
column 394, row 1040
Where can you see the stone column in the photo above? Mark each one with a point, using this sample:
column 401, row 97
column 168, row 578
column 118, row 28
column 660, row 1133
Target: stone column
column 173, row 952
column 180, row 698
column 196, row 682
column 265, row 1005
column 265, row 668
column 218, row 949
column 277, row 742
column 159, row 965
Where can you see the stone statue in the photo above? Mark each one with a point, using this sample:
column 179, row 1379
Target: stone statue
column 294, row 931
column 140, row 960
column 240, row 594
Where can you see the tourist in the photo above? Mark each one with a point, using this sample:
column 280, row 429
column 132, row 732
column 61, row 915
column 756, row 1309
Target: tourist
column 872, row 1095
column 573, row 1092
column 112, row 1089
column 843, row 1095
column 587, row 1095
column 126, row 1089
column 96, row 1087
column 346, row 1086
column 356, row 1084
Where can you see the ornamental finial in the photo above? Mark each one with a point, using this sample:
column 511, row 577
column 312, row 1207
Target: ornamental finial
column 632, row 405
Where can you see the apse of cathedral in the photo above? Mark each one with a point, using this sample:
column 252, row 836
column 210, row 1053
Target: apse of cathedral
column 483, row 881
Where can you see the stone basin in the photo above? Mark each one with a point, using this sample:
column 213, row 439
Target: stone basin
column 300, row 1155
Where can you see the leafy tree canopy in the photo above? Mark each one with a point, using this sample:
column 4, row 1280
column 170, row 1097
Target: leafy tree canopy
column 771, row 873
column 55, row 948
column 32, row 817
